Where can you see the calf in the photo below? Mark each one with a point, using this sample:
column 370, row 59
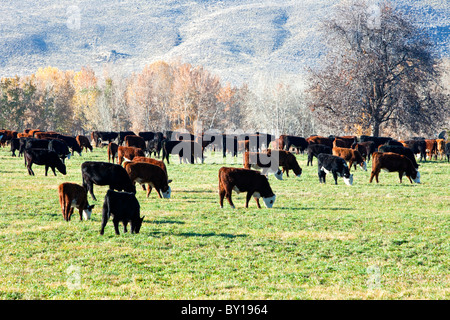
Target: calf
column 314, row 150
column 431, row 148
column 83, row 141
column 128, row 153
column 350, row 155
column 105, row 174
column 392, row 162
column 113, row 148
column 122, row 207
column 44, row 157
column 73, row 195
column 334, row 164
column 154, row 176
column 15, row 146
column 400, row 150
column 244, row 180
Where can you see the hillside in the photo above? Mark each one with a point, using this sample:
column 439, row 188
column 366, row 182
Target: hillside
column 238, row 40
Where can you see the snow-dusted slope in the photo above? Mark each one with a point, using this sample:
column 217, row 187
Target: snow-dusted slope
column 238, row 40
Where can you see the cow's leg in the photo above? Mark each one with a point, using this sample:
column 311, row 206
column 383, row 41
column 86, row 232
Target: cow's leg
column 90, row 187
column 221, row 196
column 247, row 198
column 228, row 196
column 335, row 176
column 53, row 169
column 322, row 176
column 400, row 175
column 149, row 189
column 70, row 212
column 116, row 226
column 125, row 223
column 30, row 171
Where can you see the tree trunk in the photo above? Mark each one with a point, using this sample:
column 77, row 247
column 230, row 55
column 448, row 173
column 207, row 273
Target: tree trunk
column 376, row 129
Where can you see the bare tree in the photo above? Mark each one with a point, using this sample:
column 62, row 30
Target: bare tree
column 379, row 70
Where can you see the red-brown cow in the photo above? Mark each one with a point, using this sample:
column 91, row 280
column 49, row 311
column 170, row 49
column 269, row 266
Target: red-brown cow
column 128, row 153
column 431, row 148
column 73, row 195
column 350, row 155
column 392, row 162
column 320, row 140
column 113, row 148
column 154, row 176
column 244, row 180
column 135, row 141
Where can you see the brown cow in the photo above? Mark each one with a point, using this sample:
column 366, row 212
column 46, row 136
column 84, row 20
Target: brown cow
column 83, row 141
column 134, row 141
column 431, row 148
column 320, row 140
column 155, row 162
column 128, row 153
column 113, row 148
column 440, row 146
column 244, row 180
column 344, row 142
column 73, row 195
column 350, row 155
column 154, row 176
column 393, row 162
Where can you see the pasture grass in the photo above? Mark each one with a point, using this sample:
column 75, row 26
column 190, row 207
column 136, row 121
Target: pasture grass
column 320, row 241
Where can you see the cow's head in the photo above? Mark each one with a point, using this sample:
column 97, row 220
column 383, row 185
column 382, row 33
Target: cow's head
column 166, row 192
column 269, row 201
column 61, row 167
column 136, row 225
column 363, row 165
column 279, row 174
column 87, row 212
column 348, row 180
column 417, row 178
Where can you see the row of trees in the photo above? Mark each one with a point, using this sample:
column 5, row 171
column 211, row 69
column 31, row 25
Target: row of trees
column 163, row 96
column 380, row 72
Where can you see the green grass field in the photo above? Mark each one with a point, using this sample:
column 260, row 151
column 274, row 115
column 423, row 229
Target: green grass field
column 366, row 241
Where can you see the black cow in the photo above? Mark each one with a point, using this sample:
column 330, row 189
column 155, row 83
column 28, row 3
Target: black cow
column 447, row 151
column 188, row 151
column 60, row 147
column 154, row 146
column 123, row 134
column 147, row 135
column 122, row 207
column 407, row 152
column 294, row 141
column 15, row 146
column 72, row 143
column 336, row 165
column 105, row 174
column 106, row 136
column 314, row 150
column 378, row 141
column 43, row 157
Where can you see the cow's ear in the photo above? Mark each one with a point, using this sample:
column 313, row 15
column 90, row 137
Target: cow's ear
column 169, row 181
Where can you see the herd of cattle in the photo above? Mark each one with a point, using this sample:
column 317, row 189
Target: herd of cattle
column 130, row 162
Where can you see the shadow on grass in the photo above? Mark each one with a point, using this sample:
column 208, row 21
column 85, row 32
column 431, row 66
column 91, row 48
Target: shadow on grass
column 167, row 222
column 159, row 234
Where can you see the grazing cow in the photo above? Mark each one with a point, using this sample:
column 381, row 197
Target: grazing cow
column 336, row 165
column 286, row 142
column 320, row 140
column 187, row 150
column 73, row 195
column 350, row 155
column 287, row 161
column 128, row 153
column 83, row 142
column 48, row 134
column 60, row 147
column 393, row 162
column 103, row 136
column 152, row 161
column 244, row 180
column 364, row 148
column 314, row 150
column 263, row 161
column 447, row 151
column 440, row 146
column 43, row 157
column 122, row 207
column 135, row 141
column 400, row 150
column 72, row 143
column 113, row 148
column 153, row 175
column 105, row 174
